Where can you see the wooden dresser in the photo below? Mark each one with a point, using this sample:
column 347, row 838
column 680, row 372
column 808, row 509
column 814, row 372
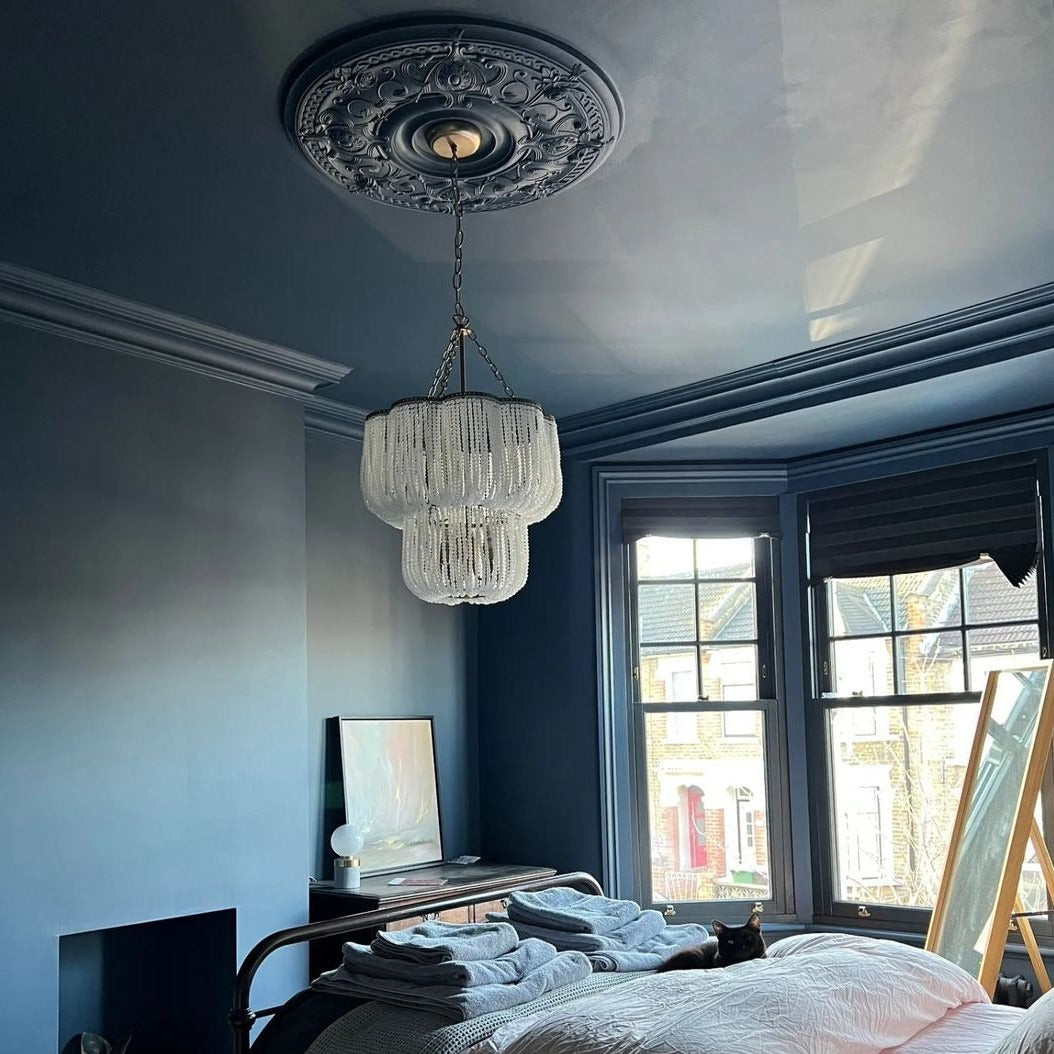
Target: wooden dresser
column 325, row 901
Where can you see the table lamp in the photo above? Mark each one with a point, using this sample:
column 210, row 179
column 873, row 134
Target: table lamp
column 347, row 842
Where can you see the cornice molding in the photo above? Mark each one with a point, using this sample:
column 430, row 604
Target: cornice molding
column 329, row 417
column 664, row 474
column 994, row 331
column 57, row 305
column 962, row 438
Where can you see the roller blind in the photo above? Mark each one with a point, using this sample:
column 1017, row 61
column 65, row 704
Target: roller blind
column 745, row 517
column 928, row 520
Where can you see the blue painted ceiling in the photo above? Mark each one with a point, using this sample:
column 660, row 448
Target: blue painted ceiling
column 791, row 173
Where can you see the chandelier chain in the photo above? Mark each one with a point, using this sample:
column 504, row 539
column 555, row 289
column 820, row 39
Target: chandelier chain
column 446, row 365
column 485, row 355
column 460, row 318
column 462, row 327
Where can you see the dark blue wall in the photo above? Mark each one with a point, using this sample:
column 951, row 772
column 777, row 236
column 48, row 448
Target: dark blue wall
column 375, row 650
column 537, row 711
column 153, row 711
column 159, row 755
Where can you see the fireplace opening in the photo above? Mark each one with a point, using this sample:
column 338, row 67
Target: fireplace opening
column 165, row 983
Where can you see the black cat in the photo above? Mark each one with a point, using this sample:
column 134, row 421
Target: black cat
column 728, row 945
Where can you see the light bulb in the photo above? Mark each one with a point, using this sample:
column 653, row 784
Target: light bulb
column 347, row 840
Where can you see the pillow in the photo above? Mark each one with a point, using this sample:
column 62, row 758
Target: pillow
column 1034, row 1033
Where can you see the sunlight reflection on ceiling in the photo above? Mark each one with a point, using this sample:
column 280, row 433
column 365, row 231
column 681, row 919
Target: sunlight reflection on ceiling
column 884, row 97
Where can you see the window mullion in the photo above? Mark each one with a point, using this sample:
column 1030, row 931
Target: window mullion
column 893, row 638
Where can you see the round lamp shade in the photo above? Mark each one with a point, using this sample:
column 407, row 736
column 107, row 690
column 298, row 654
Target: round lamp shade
column 347, row 840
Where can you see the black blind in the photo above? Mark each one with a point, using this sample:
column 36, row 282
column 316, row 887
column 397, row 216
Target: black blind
column 746, row 517
column 928, row 520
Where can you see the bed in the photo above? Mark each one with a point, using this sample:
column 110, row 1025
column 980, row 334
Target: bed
column 813, row 994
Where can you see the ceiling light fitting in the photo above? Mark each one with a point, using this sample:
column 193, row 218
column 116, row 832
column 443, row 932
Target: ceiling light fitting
column 453, row 117
column 534, row 116
column 462, row 475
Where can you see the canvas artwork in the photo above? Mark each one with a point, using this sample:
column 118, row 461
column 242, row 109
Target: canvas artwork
column 391, row 791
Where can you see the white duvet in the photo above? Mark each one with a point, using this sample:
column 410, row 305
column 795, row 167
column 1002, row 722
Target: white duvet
column 815, row 994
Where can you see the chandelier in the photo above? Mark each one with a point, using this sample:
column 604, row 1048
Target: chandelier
column 462, row 474
column 445, row 114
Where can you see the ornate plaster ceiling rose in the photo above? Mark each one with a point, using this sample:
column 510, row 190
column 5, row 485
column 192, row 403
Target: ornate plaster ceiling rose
column 366, row 110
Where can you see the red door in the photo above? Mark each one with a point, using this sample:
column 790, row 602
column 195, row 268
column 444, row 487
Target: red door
column 700, row 855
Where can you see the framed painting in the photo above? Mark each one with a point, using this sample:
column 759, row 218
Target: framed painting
column 391, row 791
column 994, row 821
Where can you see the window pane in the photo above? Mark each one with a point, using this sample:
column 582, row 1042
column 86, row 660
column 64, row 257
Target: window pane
column 930, row 662
column 668, row 675
column 665, row 558
column 666, row 612
column 726, row 611
column 858, row 606
column 863, row 667
column 707, row 812
column 991, row 598
column 729, row 672
column 928, row 599
column 895, row 797
column 997, row 647
column 725, row 557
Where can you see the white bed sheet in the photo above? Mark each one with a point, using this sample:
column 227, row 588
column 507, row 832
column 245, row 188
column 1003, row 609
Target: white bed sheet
column 816, row 994
column 972, row 1029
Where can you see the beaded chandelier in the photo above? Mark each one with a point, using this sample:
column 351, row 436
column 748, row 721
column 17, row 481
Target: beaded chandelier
column 463, row 474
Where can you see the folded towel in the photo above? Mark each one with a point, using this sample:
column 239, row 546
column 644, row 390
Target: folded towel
column 652, row 953
column 505, row 969
column 563, row 908
column 459, row 1004
column 645, row 926
column 444, row 942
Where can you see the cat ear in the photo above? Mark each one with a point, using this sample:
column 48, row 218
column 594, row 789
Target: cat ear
column 719, row 927
column 754, row 922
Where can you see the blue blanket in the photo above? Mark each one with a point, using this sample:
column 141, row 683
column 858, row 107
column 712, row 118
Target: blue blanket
column 645, row 926
column 563, row 908
column 444, row 942
column 505, row 969
column 652, row 953
column 459, row 1004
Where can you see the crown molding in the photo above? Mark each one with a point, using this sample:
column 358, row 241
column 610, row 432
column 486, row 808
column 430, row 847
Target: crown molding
column 994, row 331
column 329, row 417
column 1025, row 426
column 664, row 474
column 57, row 305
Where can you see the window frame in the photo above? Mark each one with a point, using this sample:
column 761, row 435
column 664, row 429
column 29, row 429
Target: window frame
column 828, row 908
column 766, row 578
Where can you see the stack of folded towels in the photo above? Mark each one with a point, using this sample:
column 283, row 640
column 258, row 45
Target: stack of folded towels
column 614, row 934
column 456, row 971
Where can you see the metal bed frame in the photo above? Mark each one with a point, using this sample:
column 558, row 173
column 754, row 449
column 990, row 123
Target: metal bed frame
column 242, row 1018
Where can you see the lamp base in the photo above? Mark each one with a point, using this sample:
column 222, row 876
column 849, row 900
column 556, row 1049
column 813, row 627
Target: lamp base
column 346, row 872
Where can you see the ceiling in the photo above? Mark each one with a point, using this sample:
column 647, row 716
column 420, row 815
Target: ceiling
column 973, row 395
column 791, row 173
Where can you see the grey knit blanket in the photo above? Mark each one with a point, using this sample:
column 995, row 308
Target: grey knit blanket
column 380, row 1028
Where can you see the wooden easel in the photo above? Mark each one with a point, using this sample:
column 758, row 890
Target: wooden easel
column 1000, row 791
column 1019, row 920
